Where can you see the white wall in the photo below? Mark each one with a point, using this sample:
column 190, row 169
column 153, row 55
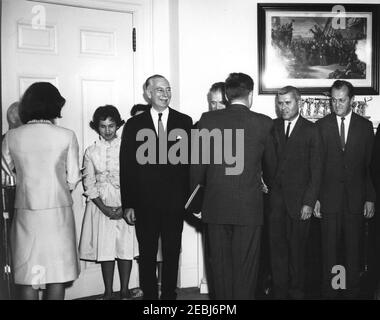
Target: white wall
column 218, row 37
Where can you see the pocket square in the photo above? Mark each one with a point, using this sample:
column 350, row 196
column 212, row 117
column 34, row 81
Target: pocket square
column 178, row 138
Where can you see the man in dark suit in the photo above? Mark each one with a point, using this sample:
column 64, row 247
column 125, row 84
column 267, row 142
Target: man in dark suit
column 374, row 228
column 233, row 201
column 154, row 191
column 294, row 193
column 346, row 191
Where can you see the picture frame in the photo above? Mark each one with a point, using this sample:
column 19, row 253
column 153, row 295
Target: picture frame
column 309, row 46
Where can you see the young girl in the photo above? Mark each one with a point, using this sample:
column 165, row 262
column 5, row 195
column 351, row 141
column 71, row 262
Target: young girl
column 105, row 234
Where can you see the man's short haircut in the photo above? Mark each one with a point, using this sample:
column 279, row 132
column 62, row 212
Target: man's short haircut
column 103, row 113
column 147, row 82
column 289, row 89
column 220, row 86
column 339, row 84
column 238, row 85
column 139, row 107
column 41, row 101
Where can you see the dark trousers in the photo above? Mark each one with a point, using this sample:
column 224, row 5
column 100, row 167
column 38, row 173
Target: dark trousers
column 372, row 250
column 149, row 226
column 341, row 242
column 234, row 257
column 288, row 238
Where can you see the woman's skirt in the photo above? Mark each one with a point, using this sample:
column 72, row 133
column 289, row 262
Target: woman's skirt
column 44, row 247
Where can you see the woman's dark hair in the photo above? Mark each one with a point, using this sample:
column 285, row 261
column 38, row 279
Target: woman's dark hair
column 104, row 112
column 139, row 107
column 40, row 101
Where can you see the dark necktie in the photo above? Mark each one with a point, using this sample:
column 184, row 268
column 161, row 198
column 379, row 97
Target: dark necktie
column 162, row 141
column 342, row 134
column 287, row 130
column 160, row 124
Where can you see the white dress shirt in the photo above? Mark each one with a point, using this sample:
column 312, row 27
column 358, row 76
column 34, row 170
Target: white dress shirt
column 164, row 117
column 347, row 120
column 292, row 124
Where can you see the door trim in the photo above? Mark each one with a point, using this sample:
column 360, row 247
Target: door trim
column 142, row 20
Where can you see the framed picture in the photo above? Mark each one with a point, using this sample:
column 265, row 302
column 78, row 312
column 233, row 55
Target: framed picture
column 309, row 46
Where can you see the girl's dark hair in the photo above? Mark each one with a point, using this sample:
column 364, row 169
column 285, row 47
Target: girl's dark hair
column 104, row 112
column 40, row 101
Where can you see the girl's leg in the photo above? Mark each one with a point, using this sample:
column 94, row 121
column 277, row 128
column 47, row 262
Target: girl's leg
column 55, row 291
column 108, row 268
column 28, row 293
column 125, row 267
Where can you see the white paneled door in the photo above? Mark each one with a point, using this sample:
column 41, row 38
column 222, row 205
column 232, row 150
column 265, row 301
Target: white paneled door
column 88, row 55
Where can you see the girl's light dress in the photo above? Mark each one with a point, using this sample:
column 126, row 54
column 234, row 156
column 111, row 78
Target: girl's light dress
column 103, row 239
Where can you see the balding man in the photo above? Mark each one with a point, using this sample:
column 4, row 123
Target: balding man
column 153, row 194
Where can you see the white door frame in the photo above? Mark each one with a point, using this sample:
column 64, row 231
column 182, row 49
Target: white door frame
column 142, row 12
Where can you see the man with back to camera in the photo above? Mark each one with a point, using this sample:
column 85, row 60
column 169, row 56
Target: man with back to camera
column 374, row 227
column 233, row 203
column 294, row 193
column 153, row 195
column 346, row 192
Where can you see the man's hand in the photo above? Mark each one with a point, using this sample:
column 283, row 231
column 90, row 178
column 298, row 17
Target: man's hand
column 317, row 210
column 369, row 209
column 264, row 188
column 129, row 216
column 306, row 212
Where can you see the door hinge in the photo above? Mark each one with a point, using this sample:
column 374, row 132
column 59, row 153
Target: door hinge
column 134, row 39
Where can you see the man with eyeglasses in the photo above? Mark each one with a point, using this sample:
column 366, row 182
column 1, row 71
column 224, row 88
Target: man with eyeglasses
column 153, row 195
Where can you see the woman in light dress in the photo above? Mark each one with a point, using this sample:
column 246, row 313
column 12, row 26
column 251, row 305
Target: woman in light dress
column 106, row 236
column 45, row 158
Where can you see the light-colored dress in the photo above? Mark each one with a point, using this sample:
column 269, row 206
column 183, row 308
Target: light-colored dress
column 103, row 239
column 43, row 238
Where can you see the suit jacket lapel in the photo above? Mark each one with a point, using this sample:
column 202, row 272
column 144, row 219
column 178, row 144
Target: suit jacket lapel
column 351, row 129
column 170, row 125
column 149, row 121
column 281, row 133
column 295, row 130
column 335, row 130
